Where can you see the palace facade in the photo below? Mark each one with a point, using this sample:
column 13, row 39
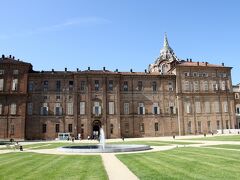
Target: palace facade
column 172, row 97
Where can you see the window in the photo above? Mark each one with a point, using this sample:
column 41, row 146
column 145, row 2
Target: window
column 1, row 84
column 126, row 127
column 205, row 75
column 188, row 107
column 58, row 97
column 44, row 128
column 14, row 84
column 45, row 97
column 218, row 124
column 111, row 107
column 82, row 85
column 97, row 109
column 30, row 108
column 141, row 108
column 57, row 127
column 155, row 109
column 13, row 109
column 196, row 86
column 126, row 108
column 125, row 86
column 197, row 107
column 207, row 107
column 205, row 86
column 15, row 72
column 195, row 74
column 58, row 86
column 227, row 124
column 70, row 83
column 45, row 85
column 110, row 85
column 187, row 86
column 69, row 127
column 225, row 106
column 1, row 109
column 141, row 128
column 82, row 107
column 223, row 85
column 209, row 126
column 189, row 128
column 156, row 126
column 111, row 128
column 236, row 96
column 69, row 98
column 11, row 129
column 140, row 86
column 70, row 108
column 44, row 109
column 170, row 86
column 238, row 108
column 58, row 109
column 1, row 71
column 154, row 86
column 30, row 86
column 216, row 106
column 186, row 74
column 96, row 85
column 199, row 126
column 215, row 86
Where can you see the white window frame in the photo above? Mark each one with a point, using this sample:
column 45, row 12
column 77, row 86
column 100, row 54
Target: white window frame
column 155, row 105
column 141, row 105
column 82, row 107
column 13, row 109
column 14, row 84
column 70, row 108
column 126, row 108
column 1, row 84
column 111, row 107
column 197, row 106
column 30, row 108
column 207, row 107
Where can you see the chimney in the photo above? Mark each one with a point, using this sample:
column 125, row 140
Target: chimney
column 88, row 68
column 222, row 64
column 187, row 59
column 145, row 71
column 197, row 63
column 52, row 70
column 65, row 69
column 13, row 57
column 131, row 70
column 104, row 68
column 10, row 56
column 3, row 56
column 77, row 69
column 116, row 70
column 206, row 63
column 190, row 60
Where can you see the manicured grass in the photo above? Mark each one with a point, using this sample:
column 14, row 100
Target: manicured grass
column 154, row 143
column 218, row 138
column 227, row 146
column 184, row 163
column 42, row 166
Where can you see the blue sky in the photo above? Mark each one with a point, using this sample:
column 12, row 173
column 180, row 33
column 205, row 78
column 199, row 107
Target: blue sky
column 119, row 34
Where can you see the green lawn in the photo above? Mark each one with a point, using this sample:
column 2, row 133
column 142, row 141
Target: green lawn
column 42, row 166
column 184, row 163
column 218, row 138
column 227, row 146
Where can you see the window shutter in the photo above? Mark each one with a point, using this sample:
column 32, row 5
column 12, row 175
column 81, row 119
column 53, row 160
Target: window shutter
column 41, row 111
column 158, row 110
column 100, row 110
column 93, row 110
column 174, row 110
column 1, row 84
column 143, row 110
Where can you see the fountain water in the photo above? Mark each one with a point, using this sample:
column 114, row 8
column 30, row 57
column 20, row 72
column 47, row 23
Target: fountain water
column 104, row 148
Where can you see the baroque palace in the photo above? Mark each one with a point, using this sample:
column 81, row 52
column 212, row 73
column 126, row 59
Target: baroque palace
column 172, row 97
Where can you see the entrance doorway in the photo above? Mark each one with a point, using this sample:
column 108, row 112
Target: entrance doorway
column 96, row 125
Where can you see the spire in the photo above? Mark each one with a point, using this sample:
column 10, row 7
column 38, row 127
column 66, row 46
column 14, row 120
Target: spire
column 166, row 48
column 165, row 44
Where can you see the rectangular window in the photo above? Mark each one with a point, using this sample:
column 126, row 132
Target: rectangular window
column 205, row 86
column 196, row 86
column 111, row 107
column 141, row 108
column 141, row 128
column 13, row 109
column 238, row 110
column 126, row 127
column 58, row 86
column 216, row 106
column 70, row 83
column 197, row 107
column 207, row 107
column 44, row 128
column 209, row 126
column 110, row 85
column 140, row 86
column 199, row 127
column 187, row 107
column 45, row 85
column 170, row 86
column 15, row 72
column 12, row 129
column 218, row 124
column 154, row 86
column 155, row 109
column 1, row 109
column 70, row 108
column 82, row 107
column 44, row 109
column 96, row 85
column 58, row 109
column 30, row 108
column 57, row 128
column 189, row 127
column 187, row 86
column 215, row 86
column 111, row 128
column 30, row 86
column 82, row 85
column 1, row 84
column 186, row 74
column 1, row 71
column 14, row 84
column 125, row 86
column 223, row 85
column 126, row 108
column 97, row 109
column 225, row 106
column 156, row 126
column 58, row 97
column 195, row 74
column 69, row 127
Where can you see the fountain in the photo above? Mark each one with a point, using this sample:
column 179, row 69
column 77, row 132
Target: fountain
column 104, row 148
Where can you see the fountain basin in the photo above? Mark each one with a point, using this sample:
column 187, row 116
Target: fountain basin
column 109, row 148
